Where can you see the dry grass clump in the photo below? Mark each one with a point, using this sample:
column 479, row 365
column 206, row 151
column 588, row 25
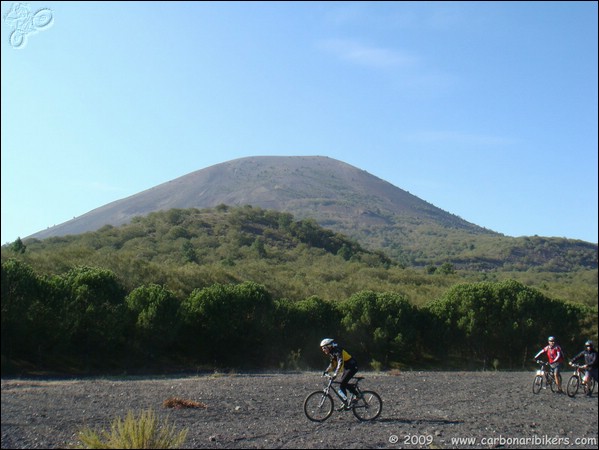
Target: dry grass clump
column 180, row 403
column 135, row 432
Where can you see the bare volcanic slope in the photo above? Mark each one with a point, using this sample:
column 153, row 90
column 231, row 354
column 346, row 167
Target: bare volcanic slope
column 335, row 194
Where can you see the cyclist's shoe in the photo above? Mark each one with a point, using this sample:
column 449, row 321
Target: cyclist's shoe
column 343, row 407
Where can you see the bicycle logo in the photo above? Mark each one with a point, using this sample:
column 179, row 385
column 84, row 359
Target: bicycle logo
column 25, row 23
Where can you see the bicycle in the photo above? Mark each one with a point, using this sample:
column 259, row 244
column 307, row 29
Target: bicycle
column 366, row 405
column 544, row 375
column 577, row 379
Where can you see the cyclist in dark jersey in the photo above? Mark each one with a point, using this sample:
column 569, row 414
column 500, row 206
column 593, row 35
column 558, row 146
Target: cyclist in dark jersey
column 341, row 361
column 589, row 354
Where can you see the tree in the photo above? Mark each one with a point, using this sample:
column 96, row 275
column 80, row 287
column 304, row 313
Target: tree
column 20, row 289
column 31, row 314
column 231, row 323
column 18, row 246
column 446, row 269
column 307, row 322
column 381, row 326
column 155, row 312
column 95, row 313
column 258, row 247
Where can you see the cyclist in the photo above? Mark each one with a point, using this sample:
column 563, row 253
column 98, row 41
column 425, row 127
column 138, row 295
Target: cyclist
column 590, row 362
column 340, row 361
column 555, row 357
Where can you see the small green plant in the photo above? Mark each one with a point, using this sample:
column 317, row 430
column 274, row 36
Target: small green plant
column 293, row 359
column 377, row 366
column 134, row 432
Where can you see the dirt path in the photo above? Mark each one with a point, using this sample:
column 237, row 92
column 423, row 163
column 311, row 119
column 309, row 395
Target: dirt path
column 421, row 410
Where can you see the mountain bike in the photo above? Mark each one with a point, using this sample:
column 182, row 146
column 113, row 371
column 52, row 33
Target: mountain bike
column 366, row 405
column 577, row 379
column 544, row 375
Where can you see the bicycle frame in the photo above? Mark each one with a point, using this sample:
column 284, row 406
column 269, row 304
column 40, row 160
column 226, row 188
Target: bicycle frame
column 579, row 371
column 546, row 374
column 354, row 385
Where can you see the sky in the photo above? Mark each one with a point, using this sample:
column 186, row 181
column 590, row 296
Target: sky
column 487, row 110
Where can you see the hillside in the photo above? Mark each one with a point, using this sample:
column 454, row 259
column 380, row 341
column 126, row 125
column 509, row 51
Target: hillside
column 349, row 201
column 265, row 287
column 190, row 248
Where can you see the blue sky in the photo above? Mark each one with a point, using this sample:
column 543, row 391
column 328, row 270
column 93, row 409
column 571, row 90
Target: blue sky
column 486, row 110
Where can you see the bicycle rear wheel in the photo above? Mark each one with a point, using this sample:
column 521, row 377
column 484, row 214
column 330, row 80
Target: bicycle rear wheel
column 589, row 386
column 537, row 384
column 573, row 384
column 318, row 407
column 368, row 406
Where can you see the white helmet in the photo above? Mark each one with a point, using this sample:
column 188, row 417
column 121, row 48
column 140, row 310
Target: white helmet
column 326, row 342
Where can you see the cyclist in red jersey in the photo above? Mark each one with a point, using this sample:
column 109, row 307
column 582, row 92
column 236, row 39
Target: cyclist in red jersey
column 555, row 357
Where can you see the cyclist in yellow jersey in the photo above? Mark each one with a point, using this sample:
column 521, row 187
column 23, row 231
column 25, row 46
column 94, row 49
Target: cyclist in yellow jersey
column 341, row 361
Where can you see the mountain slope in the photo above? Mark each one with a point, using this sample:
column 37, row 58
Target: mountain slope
column 345, row 199
column 319, row 187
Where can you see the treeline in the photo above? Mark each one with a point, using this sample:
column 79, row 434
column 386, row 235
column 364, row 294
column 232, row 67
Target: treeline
column 87, row 320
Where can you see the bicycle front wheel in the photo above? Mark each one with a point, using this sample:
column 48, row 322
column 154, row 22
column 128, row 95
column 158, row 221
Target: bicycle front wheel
column 552, row 382
column 537, row 384
column 368, row 406
column 573, row 384
column 318, row 406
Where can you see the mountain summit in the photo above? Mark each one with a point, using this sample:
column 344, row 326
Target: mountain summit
column 335, row 194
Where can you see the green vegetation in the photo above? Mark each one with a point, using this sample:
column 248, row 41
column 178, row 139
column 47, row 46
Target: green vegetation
column 251, row 288
column 418, row 244
column 504, row 321
column 135, row 432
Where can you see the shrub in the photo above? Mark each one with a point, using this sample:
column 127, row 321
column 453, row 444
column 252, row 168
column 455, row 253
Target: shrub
column 132, row 432
column 180, row 403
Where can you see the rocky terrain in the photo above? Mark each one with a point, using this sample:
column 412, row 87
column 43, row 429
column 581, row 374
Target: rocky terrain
column 265, row 410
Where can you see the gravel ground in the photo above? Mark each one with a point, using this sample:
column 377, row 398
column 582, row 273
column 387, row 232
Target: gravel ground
column 421, row 410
